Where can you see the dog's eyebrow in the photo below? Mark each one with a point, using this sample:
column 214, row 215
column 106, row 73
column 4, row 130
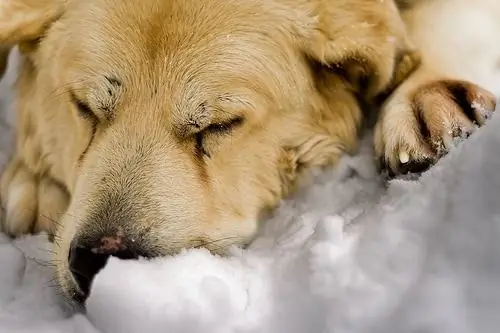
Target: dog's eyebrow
column 113, row 81
column 222, row 108
column 193, row 120
column 106, row 95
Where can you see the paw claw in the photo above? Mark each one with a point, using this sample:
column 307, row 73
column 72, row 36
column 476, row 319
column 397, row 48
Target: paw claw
column 404, row 157
column 415, row 167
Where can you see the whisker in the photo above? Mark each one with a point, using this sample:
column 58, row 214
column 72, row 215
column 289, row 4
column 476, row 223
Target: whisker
column 46, row 250
column 41, row 262
column 61, row 90
column 204, row 243
column 54, row 221
column 219, row 248
column 57, row 223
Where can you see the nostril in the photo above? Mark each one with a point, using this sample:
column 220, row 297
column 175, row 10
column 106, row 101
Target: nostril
column 84, row 265
column 85, row 262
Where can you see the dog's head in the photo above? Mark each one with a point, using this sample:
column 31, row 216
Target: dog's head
column 177, row 123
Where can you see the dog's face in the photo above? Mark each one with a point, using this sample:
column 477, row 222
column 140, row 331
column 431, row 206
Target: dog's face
column 177, row 123
column 182, row 111
column 182, row 115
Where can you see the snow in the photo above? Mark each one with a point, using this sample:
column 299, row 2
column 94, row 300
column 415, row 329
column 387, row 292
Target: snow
column 346, row 254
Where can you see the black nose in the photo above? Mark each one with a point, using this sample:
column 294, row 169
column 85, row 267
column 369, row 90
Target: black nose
column 86, row 261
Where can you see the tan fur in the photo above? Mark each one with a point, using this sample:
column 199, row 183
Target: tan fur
column 289, row 73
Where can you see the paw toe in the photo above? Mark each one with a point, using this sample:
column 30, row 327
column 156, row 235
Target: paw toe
column 20, row 207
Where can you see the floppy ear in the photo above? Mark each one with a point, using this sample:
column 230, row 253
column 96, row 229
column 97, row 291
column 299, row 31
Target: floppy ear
column 358, row 48
column 24, row 21
column 322, row 135
column 363, row 40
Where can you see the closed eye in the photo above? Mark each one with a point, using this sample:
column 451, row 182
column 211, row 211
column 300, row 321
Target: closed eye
column 85, row 112
column 215, row 129
column 83, row 108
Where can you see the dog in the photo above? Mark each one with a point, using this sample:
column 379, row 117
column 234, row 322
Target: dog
column 148, row 126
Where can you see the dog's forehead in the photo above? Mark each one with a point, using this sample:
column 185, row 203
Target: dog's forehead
column 176, row 33
column 186, row 51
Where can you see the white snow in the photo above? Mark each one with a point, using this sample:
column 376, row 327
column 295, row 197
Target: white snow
column 343, row 255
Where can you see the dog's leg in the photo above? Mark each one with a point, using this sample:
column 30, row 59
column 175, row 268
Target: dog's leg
column 30, row 203
column 18, row 193
column 438, row 103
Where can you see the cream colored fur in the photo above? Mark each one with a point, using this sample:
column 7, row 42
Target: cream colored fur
column 114, row 96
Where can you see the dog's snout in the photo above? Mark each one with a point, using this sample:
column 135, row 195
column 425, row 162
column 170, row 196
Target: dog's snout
column 85, row 260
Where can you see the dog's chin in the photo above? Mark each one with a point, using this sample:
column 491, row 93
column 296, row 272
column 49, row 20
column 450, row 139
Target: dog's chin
column 78, row 299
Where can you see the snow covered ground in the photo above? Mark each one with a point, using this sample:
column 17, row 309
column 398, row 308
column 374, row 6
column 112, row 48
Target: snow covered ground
column 343, row 255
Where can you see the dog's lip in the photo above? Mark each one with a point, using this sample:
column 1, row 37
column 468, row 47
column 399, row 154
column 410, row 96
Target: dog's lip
column 70, row 294
column 77, row 296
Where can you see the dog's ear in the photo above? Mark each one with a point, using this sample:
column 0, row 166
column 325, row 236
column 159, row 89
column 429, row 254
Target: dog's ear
column 357, row 48
column 363, row 40
column 322, row 135
column 25, row 20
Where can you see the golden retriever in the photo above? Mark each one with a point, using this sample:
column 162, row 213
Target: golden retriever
column 148, row 126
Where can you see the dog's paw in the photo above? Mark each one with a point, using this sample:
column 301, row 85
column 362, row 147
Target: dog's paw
column 30, row 203
column 419, row 126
